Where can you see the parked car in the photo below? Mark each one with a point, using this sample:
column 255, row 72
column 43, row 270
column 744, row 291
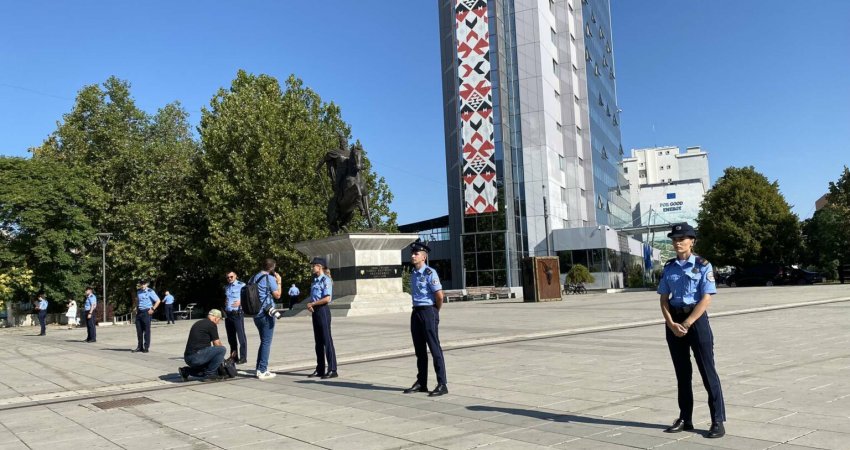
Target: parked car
column 800, row 276
column 761, row 275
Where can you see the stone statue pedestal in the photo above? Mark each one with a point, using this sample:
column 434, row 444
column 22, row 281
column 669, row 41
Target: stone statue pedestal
column 366, row 271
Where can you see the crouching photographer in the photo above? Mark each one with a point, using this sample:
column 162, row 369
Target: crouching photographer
column 204, row 351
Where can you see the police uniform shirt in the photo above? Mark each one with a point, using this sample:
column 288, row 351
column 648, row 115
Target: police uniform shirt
column 424, row 283
column 147, row 297
column 233, row 293
column 169, row 299
column 266, row 284
column 687, row 281
column 42, row 304
column 293, row 291
column 322, row 287
column 91, row 302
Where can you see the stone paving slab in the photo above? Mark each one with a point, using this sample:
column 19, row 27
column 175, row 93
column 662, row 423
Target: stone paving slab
column 520, row 375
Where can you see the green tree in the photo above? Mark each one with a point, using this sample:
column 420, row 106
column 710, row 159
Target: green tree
column 580, row 274
column 260, row 190
column 744, row 220
column 45, row 218
column 144, row 167
column 827, row 233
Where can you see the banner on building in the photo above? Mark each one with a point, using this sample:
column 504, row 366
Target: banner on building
column 476, row 106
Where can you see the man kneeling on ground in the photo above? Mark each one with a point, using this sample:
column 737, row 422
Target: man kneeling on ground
column 204, row 359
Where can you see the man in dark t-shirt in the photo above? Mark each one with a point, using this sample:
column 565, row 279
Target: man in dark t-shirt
column 202, row 358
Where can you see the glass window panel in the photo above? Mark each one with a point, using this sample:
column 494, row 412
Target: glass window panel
column 485, row 261
column 471, row 278
column 499, row 260
column 498, row 242
column 485, row 278
column 469, row 225
column 469, row 261
column 469, row 243
column 500, row 278
column 484, row 243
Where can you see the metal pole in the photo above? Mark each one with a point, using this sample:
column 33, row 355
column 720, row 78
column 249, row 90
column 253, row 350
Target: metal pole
column 104, row 280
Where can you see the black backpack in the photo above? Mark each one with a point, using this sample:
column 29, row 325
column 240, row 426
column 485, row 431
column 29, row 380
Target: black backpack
column 227, row 369
column 250, row 297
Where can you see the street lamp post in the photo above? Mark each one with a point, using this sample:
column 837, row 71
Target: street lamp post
column 104, row 238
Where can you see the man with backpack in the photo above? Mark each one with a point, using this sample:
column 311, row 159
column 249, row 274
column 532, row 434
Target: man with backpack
column 202, row 358
column 267, row 285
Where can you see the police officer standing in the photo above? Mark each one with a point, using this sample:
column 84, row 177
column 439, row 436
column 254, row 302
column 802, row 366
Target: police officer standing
column 294, row 292
column 686, row 286
column 146, row 306
column 427, row 295
column 41, row 307
column 234, row 322
column 168, row 300
column 321, row 292
column 88, row 315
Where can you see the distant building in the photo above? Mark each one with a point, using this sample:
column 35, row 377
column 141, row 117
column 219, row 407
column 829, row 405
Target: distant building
column 665, row 184
column 821, row 202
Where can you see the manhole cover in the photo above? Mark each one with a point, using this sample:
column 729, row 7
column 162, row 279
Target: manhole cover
column 124, row 402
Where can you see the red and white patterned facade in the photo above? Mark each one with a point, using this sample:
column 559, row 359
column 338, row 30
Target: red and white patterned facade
column 476, row 106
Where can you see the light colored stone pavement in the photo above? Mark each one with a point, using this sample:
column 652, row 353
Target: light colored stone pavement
column 589, row 372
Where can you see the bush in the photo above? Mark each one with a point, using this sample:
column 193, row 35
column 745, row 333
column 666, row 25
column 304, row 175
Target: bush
column 635, row 277
column 579, row 274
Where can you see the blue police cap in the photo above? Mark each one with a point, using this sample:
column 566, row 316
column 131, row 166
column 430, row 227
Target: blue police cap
column 318, row 260
column 142, row 281
column 420, row 246
column 682, row 230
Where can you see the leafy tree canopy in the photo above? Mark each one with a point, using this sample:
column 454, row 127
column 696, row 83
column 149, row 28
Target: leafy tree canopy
column 744, row 220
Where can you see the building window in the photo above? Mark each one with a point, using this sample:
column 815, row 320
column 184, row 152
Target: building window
column 554, row 66
column 572, row 38
column 660, row 167
column 659, row 153
column 554, row 35
column 667, row 152
column 558, row 127
column 563, row 195
column 564, row 223
column 607, row 47
column 601, row 33
column 608, row 111
column 621, row 145
column 557, row 96
column 586, row 55
column 625, row 169
column 641, row 164
column 617, row 122
column 578, row 130
column 604, row 153
column 668, row 167
column 611, row 74
column 552, row 6
column 587, row 31
column 604, row 61
column 642, row 173
column 596, row 71
column 593, row 17
column 601, row 103
column 562, row 164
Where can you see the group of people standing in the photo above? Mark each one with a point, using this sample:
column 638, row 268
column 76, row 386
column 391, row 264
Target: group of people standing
column 205, row 353
column 41, row 306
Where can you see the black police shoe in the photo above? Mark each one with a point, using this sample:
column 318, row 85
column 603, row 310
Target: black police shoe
column 679, row 425
column 137, row 350
column 716, row 431
column 416, row 388
column 242, row 361
column 441, row 389
column 316, row 374
column 144, row 350
column 331, row 374
column 184, row 373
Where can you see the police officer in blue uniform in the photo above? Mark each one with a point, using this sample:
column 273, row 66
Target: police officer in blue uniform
column 321, row 293
column 146, row 306
column 88, row 315
column 234, row 322
column 41, row 307
column 686, row 286
column 427, row 293
column 168, row 300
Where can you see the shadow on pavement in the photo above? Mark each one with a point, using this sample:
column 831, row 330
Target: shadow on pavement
column 117, row 350
column 542, row 415
column 351, row 385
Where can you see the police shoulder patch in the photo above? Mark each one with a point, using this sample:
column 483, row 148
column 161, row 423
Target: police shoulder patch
column 710, row 276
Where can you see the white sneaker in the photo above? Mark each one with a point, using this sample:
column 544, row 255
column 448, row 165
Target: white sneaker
column 266, row 375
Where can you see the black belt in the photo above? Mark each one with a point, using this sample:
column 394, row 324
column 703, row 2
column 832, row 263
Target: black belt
column 681, row 310
column 420, row 308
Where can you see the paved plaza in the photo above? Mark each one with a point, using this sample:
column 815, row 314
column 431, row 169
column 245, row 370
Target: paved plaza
column 590, row 372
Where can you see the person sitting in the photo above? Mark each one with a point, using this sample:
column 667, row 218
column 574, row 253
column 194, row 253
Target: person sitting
column 202, row 358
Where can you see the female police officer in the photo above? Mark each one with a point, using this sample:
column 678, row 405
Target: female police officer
column 320, row 296
column 686, row 287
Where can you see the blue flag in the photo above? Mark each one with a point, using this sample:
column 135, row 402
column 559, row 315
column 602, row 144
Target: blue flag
column 647, row 257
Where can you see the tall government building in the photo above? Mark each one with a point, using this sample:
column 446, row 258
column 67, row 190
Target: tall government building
column 532, row 137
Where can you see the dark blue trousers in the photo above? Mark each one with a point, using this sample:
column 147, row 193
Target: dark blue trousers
column 234, row 324
column 424, row 322
column 143, row 329
column 204, row 363
column 169, row 313
column 42, row 320
column 91, row 326
column 324, row 340
column 700, row 340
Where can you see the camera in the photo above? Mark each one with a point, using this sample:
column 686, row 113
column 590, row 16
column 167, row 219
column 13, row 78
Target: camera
column 276, row 313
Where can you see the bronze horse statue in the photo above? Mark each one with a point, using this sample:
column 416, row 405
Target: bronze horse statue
column 349, row 187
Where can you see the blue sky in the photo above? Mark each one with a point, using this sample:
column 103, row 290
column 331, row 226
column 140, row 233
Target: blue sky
column 762, row 83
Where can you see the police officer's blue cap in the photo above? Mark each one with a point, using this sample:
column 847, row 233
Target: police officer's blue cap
column 318, row 260
column 682, row 230
column 142, row 281
column 420, row 246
